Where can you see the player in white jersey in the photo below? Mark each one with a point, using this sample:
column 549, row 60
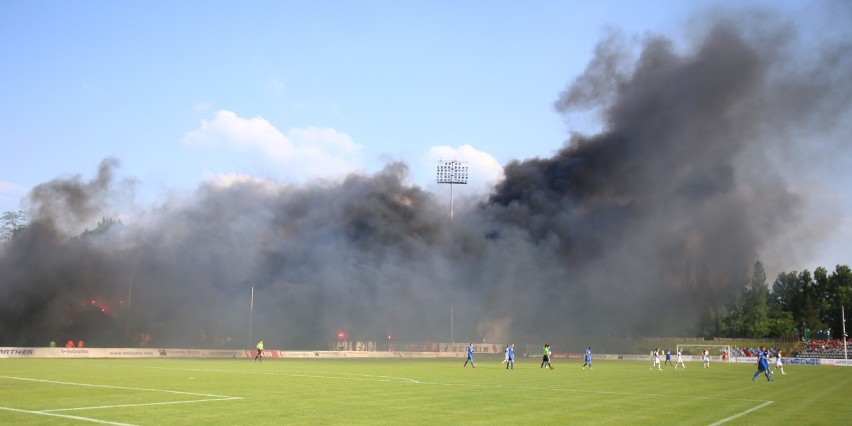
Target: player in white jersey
column 778, row 363
column 706, row 356
column 656, row 359
column 679, row 360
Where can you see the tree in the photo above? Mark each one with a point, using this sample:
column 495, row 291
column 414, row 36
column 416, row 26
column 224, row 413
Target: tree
column 12, row 224
column 799, row 301
column 104, row 225
column 781, row 324
column 755, row 306
column 786, row 292
column 821, row 293
column 749, row 316
column 839, row 293
column 799, row 294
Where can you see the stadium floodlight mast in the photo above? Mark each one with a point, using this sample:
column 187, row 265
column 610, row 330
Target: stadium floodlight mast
column 843, row 315
column 127, row 311
column 453, row 173
column 251, row 317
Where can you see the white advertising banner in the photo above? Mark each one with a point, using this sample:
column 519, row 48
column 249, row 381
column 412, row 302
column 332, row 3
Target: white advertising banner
column 20, row 352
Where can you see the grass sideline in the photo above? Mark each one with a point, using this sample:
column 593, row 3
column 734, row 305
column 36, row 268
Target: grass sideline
column 412, row 391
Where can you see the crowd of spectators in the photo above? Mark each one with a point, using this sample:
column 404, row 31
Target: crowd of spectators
column 814, row 348
column 822, row 348
column 746, row 352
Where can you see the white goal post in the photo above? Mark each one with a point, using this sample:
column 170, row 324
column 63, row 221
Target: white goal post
column 716, row 351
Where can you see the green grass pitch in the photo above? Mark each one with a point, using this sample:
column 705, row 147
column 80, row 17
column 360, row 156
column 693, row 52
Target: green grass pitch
column 412, row 391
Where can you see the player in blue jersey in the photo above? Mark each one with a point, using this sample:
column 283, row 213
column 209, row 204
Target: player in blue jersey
column 510, row 357
column 762, row 365
column 668, row 357
column 588, row 358
column 469, row 359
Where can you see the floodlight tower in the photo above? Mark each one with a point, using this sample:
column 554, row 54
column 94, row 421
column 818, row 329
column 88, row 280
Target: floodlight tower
column 452, row 172
column 843, row 315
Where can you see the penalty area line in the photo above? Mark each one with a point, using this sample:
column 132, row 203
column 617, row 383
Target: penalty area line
column 65, row 416
column 54, row 412
column 90, row 385
column 727, row 419
column 143, row 404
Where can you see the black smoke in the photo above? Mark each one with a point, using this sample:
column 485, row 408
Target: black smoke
column 636, row 230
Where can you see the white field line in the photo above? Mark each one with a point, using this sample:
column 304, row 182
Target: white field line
column 365, row 377
column 653, row 395
column 138, row 405
column 378, row 378
column 727, row 419
column 52, row 412
column 55, row 382
column 65, row 416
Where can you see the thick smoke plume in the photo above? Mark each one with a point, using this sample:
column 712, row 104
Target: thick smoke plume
column 639, row 229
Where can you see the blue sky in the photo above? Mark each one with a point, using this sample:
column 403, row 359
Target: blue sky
column 183, row 92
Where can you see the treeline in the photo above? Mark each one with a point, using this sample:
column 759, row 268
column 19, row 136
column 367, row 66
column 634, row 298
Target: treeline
column 799, row 305
column 11, row 224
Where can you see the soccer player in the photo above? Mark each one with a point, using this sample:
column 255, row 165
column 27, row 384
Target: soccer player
column 470, row 351
column 506, row 355
column 655, row 360
column 545, row 357
column 587, row 360
column 706, row 355
column 679, row 360
column 668, row 357
column 762, row 365
column 510, row 360
column 259, row 351
column 778, row 364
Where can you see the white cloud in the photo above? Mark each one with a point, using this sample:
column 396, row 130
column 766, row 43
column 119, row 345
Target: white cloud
column 227, row 180
column 302, row 154
column 326, row 138
column 247, row 134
